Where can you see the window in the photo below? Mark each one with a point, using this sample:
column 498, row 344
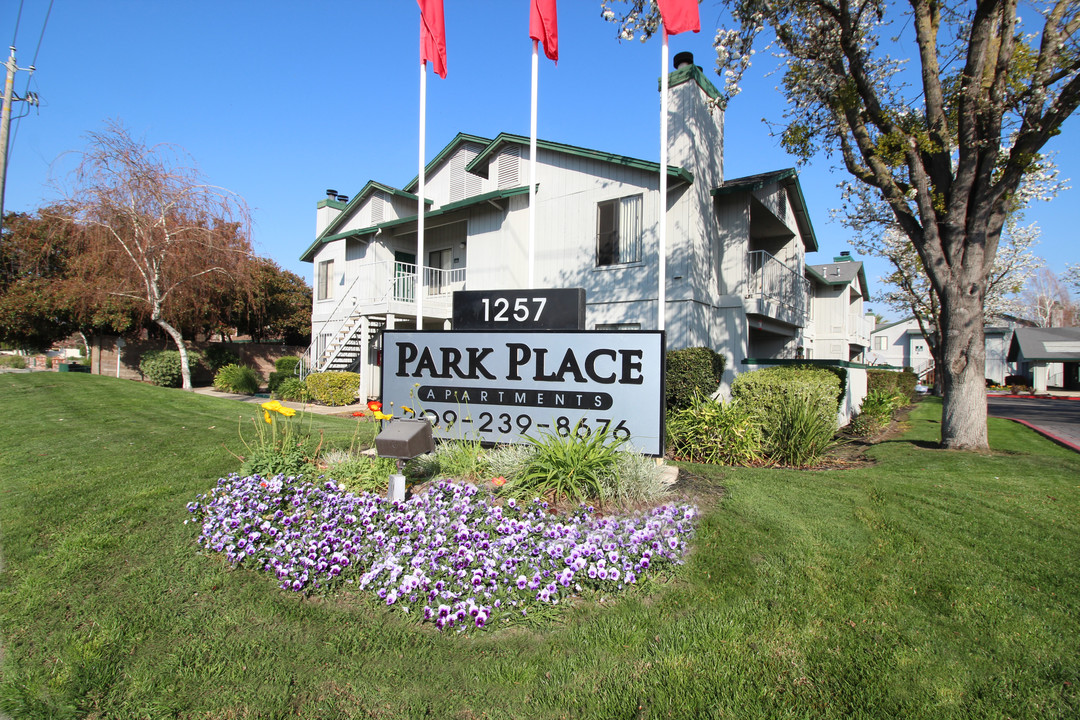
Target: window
column 881, row 342
column 326, row 279
column 618, row 231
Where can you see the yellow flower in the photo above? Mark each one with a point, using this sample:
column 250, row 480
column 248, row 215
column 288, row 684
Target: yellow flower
column 266, row 416
column 277, row 407
column 380, row 415
column 407, row 409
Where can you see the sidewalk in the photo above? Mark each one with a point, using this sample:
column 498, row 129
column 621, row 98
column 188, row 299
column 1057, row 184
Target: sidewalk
column 343, row 410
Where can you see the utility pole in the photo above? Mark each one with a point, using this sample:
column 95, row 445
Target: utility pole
column 5, row 121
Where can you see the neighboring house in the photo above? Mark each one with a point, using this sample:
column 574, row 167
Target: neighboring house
column 902, row 344
column 736, row 248
column 839, row 328
column 1053, row 355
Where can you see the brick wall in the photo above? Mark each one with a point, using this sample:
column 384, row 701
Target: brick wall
column 104, row 355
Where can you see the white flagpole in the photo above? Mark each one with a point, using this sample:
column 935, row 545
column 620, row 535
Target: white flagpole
column 420, row 203
column 532, row 164
column 662, row 265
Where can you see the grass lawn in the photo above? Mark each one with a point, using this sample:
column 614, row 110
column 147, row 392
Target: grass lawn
column 929, row 584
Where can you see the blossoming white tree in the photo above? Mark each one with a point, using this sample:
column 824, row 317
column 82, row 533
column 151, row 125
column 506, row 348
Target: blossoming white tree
column 945, row 143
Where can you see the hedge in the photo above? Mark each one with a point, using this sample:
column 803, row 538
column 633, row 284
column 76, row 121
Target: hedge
column 891, row 381
column 690, row 371
column 765, row 389
column 333, row 388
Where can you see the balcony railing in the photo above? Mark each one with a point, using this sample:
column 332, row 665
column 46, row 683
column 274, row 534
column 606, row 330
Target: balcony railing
column 770, row 279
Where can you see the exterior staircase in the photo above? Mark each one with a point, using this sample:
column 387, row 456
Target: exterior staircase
column 345, row 348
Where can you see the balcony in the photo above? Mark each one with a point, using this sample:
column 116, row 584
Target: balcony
column 774, row 290
column 390, row 287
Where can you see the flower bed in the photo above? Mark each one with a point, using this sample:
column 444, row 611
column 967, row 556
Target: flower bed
column 449, row 554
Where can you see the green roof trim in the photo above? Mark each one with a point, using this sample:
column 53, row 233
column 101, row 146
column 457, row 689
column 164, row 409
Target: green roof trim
column 346, row 210
column 788, row 177
column 815, row 362
column 481, row 161
column 327, row 202
column 453, row 145
column 309, row 254
column 695, row 73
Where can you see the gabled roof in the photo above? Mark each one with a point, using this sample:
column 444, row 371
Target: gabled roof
column 841, row 273
column 370, row 187
column 1047, row 344
column 789, row 178
column 488, row 197
column 480, row 163
column 451, row 147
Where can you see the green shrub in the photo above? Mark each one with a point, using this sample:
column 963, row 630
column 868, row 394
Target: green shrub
column 796, row 407
column 569, row 467
column 716, row 433
column 333, row 387
column 216, row 357
column 284, row 368
column 286, row 364
column 293, row 389
column 17, row 362
column 237, row 379
column 358, row 473
column 162, row 367
column 463, row 459
column 764, row 390
column 690, row 371
column 799, row 431
column 876, row 412
column 891, row 381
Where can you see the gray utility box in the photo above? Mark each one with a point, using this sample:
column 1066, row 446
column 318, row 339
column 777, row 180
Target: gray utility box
column 405, row 439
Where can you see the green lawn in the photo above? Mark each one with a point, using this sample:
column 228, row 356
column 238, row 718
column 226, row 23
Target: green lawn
column 930, row 584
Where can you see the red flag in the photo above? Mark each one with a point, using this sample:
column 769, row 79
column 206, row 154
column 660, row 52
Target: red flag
column 544, row 26
column 433, row 35
column 679, row 15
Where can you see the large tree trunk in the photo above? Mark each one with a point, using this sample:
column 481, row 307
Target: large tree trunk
column 963, row 419
column 178, row 339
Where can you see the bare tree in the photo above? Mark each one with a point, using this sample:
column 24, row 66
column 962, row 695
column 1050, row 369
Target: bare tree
column 1046, row 301
column 944, row 140
column 156, row 233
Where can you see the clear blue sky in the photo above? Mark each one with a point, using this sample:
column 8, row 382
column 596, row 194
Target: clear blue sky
column 278, row 101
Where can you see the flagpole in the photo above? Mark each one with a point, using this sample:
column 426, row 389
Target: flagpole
column 662, row 265
column 420, row 203
column 532, row 163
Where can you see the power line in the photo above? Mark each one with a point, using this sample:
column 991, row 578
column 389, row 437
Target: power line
column 33, row 63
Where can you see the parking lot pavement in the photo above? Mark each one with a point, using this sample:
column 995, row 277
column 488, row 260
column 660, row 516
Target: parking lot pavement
column 1057, row 418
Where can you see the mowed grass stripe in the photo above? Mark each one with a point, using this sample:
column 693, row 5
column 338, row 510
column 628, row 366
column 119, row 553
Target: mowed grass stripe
column 931, row 584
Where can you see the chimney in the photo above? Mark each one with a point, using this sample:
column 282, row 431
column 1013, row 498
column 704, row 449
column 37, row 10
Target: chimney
column 328, row 208
column 683, row 59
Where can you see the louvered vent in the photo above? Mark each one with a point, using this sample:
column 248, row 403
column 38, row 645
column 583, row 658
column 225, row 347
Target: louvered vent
column 462, row 184
column 509, row 161
column 781, row 205
column 377, row 203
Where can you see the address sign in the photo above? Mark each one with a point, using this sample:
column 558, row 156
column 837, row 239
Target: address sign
column 496, row 387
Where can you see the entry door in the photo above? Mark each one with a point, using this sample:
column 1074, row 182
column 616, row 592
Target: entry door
column 404, row 276
column 439, row 280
